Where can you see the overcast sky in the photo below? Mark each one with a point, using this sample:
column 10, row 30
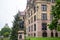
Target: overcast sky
column 9, row 8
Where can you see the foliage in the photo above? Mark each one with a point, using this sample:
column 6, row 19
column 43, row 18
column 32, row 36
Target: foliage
column 58, row 1
column 6, row 34
column 56, row 15
column 0, row 33
column 58, row 28
column 5, row 30
column 15, row 29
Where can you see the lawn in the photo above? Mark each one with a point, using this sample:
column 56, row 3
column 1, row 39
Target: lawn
column 4, row 39
column 43, row 38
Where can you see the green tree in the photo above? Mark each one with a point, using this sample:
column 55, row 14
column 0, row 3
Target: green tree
column 15, row 29
column 56, row 15
column 5, row 29
column 6, row 34
column 0, row 33
column 17, row 25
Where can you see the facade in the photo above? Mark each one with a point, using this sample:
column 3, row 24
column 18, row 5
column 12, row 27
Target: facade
column 38, row 17
column 22, row 19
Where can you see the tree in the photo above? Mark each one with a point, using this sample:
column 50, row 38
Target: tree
column 17, row 25
column 6, row 34
column 15, row 29
column 5, row 29
column 56, row 15
column 0, row 33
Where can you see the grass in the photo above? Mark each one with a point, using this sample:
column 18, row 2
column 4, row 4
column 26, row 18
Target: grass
column 43, row 38
column 4, row 39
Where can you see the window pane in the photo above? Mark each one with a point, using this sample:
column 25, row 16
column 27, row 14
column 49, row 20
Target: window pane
column 44, row 16
column 34, row 27
column 51, row 17
column 44, row 26
column 52, row 34
column 44, row 7
column 32, row 20
column 29, row 28
column 35, row 18
column 34, row 34
column 31, row 12
column 34, row 9
column 37, row 8
column 29, row 21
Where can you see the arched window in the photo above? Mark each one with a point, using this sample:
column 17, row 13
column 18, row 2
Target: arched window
column 44, row 34
column 52, row 34
column 56, row 34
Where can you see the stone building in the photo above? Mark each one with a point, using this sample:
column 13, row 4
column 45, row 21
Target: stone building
column 22, row 19
column 21, row 24
column 38, row 17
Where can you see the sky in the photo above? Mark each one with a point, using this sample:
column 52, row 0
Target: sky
column 9, row 8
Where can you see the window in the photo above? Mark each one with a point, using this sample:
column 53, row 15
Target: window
column 56, row 34
column 44, row 26
column 44, row 34
column 34, row 9
column 23, row 17
column 34, row 27
column 52, row 34
column 28, row 34
column 34, row 34
column 32, row 20
column 29, row 21
column 51, row 17
column 44, row 16
column 37, row 8
column 21, row 25
column 44, row 7
column 29, row 28
column 31, row 12
column 35, row 18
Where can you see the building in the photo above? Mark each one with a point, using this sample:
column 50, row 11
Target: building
column 21, row 32
column 38, row 17
column 22, row 19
